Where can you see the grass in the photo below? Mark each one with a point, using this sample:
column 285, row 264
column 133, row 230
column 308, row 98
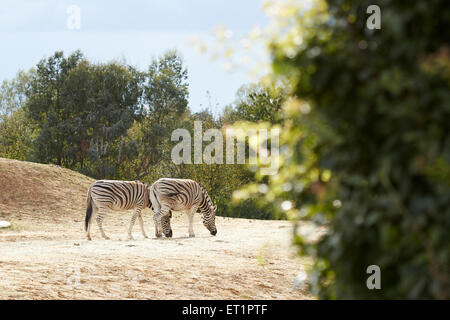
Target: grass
column 262, row 256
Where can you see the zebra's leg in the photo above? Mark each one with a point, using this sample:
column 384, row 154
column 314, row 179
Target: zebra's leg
column 158, row 233
column 191, row 214
column 99, row 220
column 88, row 231
column 136, row 213
column 141, row 223
column 156, row 208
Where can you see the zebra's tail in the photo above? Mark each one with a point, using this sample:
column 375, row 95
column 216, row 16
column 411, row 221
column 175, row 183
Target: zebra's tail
column 88, row 211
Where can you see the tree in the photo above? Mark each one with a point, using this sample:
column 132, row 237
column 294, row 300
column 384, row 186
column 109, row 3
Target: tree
column 366, row 145
column 105, row 102
column 83, row 112
column 46, row 108
column 165, row 98
column 16, row 129
column 256, row 103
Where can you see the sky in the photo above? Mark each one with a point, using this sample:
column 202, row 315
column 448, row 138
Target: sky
column 132, row 31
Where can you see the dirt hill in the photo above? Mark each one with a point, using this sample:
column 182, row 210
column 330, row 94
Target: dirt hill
column 44, row 254
column 42, row 194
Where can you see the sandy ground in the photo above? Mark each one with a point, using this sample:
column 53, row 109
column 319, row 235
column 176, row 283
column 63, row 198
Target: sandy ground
column 44, row 254
column 50, row 259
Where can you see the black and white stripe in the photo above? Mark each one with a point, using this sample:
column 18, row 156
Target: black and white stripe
column 118, row 195
column 181, row 195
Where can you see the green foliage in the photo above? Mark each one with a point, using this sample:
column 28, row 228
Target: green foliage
column 82, row 112
column 166, row 89
column 219, row 179
column 45, row 106
column 106, row 107
column 16, row 135
column 13, row 93
column 249, row 208
column 104, row 120
column 16, row 129
column 366, row 153
column 165, row 94
column 256, row 103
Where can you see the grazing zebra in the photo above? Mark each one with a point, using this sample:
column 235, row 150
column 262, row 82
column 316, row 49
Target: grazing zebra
column 116, row 195
column 181, row 195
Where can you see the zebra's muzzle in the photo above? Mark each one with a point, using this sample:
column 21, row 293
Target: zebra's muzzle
column 214, row 232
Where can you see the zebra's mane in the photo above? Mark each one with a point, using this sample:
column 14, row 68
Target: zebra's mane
column 208, row 198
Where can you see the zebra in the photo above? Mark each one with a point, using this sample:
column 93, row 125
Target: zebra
column 181, row 195
column 116, row 195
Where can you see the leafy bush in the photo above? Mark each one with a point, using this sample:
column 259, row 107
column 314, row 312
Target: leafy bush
column 249, row 209
column 366, row 152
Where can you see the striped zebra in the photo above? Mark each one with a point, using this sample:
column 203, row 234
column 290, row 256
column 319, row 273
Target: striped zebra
column 181, row 195
column 116, row 195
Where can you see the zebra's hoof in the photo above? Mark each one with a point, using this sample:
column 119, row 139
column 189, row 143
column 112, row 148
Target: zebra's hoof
column 158, row 235
column 191, row 235
column 169, row 234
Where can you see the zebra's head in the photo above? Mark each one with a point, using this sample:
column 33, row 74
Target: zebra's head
column 209, row 219
column 208, row 210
